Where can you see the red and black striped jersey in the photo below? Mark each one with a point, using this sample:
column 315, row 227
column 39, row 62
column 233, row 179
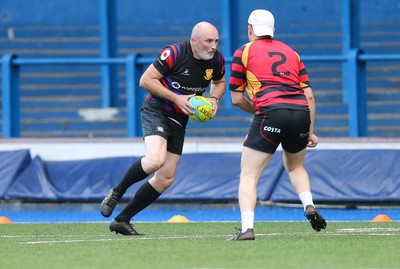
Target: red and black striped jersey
column 183, row 74
column 272, row 74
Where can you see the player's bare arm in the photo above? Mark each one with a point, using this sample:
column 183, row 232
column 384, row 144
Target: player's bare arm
column 217, row 90
column 312, row 138
column 150, row 80
column 240, row 100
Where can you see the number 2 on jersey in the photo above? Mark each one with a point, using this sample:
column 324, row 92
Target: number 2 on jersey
column 275, row 65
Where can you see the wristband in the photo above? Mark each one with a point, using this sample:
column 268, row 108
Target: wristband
column 216, row 99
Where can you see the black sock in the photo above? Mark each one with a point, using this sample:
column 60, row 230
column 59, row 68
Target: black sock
column 144, row 196
column 134, row 174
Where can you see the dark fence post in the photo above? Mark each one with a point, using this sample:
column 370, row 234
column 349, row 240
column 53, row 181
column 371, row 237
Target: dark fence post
column 109, row 74
column 10, row 101
column 132, row 115
column 350, row 34
column 228, row 28
column 354, row 83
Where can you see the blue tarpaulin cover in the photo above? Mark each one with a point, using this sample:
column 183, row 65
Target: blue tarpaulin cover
column 12, row 163
column 336, row 176
column 348, row 175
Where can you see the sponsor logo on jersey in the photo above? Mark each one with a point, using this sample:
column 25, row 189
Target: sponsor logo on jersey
column 271, row 129
column 165, row 54
column 178, row 86
column 303, row 135
column 186, row 72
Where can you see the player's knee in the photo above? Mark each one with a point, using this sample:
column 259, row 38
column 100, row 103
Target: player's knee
column 153, row 164
column 163, row 181
column 298, row 167
column 167, row 182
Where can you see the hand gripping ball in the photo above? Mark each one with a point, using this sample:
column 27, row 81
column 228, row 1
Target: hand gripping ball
column 203, row 110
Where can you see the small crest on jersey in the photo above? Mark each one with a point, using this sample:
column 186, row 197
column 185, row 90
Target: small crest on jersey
column 208, row 75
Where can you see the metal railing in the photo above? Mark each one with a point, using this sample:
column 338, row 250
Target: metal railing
column 354, row 86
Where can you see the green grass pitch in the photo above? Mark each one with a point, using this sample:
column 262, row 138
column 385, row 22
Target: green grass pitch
column 200, row 245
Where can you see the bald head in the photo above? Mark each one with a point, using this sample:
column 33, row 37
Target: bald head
column 204, row 28
column 204, row 40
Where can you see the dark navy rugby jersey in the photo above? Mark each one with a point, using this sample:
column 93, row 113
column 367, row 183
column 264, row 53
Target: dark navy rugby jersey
column 183, row 74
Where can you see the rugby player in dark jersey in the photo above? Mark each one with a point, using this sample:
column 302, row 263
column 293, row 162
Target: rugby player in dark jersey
column 281, row 99
column 180, row 71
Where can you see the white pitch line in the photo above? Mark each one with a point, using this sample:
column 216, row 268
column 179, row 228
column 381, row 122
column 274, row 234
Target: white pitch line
column 73, row 241
column 339, row 232
column 121, row 239
column 362, row 230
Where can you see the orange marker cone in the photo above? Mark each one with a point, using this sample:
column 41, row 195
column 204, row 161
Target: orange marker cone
column 178, row 218
column 5, row 220
column 382, row 218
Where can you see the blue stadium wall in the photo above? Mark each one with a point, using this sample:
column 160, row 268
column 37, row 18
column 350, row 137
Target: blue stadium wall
column 53, row 97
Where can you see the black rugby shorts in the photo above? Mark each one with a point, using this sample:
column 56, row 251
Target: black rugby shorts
column 282, row 126
column 154, row 123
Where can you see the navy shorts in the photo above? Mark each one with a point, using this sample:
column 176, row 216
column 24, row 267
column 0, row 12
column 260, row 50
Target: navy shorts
column 282, row 126
column 154, row 123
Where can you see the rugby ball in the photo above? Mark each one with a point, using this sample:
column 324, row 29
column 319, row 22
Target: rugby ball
column 203, row 110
